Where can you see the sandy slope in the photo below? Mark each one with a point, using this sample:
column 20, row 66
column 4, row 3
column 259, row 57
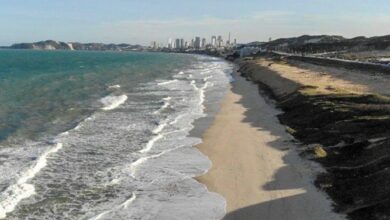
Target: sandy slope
column 371, row 82
column 324, row 77
column 255, row 166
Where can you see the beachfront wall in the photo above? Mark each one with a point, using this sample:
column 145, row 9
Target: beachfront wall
column 372, row 67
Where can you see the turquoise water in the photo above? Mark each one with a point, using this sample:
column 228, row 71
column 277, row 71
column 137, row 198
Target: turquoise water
column 51, row 91
column 105, row 135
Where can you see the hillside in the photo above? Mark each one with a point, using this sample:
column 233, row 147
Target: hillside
column 327, row 43
column 56, row 45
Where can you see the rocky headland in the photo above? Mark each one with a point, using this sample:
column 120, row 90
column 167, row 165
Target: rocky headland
column 57, row 45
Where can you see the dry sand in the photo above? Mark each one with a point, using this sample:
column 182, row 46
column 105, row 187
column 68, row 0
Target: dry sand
column 371, row 82
column 255, row 165
column 324, row 77
column 309, row 77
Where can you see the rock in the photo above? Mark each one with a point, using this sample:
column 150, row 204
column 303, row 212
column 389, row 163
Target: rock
column 319, row 152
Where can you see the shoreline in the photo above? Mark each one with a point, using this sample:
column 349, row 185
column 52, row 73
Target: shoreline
column 159, row 169
column 254, row 164
column 341, row 119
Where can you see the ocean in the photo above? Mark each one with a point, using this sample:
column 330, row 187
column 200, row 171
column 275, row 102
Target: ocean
column 106, row 135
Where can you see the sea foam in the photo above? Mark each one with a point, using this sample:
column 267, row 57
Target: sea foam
column 111, row 102
column 167, row 82
column 148, row 167
column 114, row 87
column 165, row 105
column 22, row 189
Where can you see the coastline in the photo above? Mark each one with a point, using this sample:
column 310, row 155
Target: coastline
column 254, row 164
column 341, row 120
column 151, row 176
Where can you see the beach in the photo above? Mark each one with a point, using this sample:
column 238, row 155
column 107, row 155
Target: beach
column 106, row 135
column 276, row 139
column 255, row 165
column 339, row 119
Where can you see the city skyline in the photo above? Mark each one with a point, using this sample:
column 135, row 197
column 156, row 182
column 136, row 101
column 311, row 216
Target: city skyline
column 197, row 42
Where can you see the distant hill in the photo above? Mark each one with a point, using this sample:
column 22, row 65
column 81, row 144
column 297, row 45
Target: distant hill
column 306, row 39
column 56, row 45
column 255, row 44
column 327, row 43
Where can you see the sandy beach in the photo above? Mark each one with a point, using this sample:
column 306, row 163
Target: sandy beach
column 255, row 164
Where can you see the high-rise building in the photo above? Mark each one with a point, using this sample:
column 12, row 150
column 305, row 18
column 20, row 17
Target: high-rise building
column 203, row 45
column 170, row 46
column 228, row 41
column 177, row 44
column 214, row 41
column 235, row 41
column 197, row 43
column 181, row 43
column 153, row 45
column 219, row 41
column 186, row 44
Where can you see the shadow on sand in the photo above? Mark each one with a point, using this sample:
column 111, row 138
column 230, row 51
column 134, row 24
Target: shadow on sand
column 293, row 206
column 267, row 210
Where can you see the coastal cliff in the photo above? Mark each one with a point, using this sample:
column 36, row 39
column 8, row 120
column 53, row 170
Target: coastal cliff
column 343, row 125
column 56, row 45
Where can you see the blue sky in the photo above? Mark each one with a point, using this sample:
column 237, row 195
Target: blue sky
column 142, row 21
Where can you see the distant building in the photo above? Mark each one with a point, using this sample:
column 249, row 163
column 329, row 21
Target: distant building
column 170, row 46
column 192, row 43
column 153, row 45
column 219, row 41
column 177, row 44
column 228, row 41
column 203, row 45
column 197, row 43
column 214, row 41
column 186, row 44
column 181, row 43
column 235, row 41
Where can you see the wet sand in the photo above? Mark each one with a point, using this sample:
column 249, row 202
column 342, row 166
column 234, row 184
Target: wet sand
column 255, row 164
